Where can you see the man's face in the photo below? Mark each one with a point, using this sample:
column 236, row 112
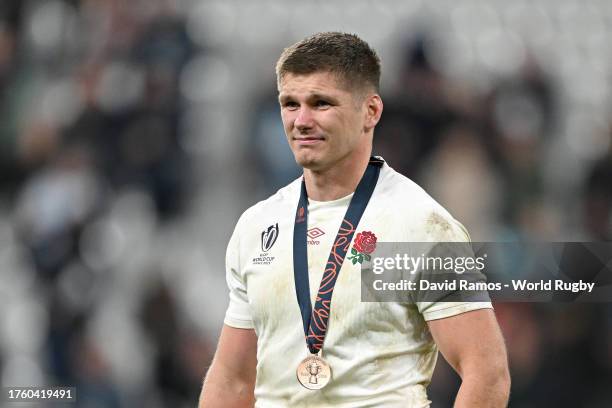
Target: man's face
column 323, row 121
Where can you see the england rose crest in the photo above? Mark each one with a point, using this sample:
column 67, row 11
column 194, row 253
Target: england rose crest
column 363, row 245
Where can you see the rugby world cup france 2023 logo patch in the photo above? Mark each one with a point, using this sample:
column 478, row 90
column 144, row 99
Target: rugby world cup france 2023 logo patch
column 268, row 238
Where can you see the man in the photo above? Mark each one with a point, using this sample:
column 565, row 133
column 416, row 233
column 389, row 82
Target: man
column 288, row 253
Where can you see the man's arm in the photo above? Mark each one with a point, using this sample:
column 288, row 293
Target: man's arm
column 473, row 345
column 230, row 381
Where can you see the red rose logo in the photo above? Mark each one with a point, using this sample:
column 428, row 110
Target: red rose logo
column 365, row 242
column 363, row 245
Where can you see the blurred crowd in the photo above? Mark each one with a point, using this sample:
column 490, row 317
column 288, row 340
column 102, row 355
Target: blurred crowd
column 130, row 141
column 91, row 169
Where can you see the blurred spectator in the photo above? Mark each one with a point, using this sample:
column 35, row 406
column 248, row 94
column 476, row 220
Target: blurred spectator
column 54, row 206
column 459, row 170
column 419, row 112
column 521, row 115
column 268, row 149
column 597, row 207
column 181, row 356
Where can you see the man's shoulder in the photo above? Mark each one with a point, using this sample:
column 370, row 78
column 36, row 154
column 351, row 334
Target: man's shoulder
column 277, row 202
column 401, row 190
column 411, row 204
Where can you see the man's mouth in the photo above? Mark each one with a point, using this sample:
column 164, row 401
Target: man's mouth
column 308, row 140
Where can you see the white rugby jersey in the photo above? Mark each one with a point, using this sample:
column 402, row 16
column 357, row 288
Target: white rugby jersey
column 381, row 354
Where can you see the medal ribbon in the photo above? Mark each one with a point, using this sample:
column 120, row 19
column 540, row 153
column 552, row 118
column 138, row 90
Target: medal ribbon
column 315, row 320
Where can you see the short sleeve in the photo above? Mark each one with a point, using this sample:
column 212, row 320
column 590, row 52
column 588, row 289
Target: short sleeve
column 440, row 310
column 238, row 312
column 454, row 231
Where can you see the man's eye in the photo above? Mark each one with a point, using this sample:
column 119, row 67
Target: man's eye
column 290, row 105
column 322, row 104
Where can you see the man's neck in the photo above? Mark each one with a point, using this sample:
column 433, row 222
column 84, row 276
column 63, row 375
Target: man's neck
column 336, row 182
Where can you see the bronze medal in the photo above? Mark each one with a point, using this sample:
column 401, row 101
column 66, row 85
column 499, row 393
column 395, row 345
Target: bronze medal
column 313, row 372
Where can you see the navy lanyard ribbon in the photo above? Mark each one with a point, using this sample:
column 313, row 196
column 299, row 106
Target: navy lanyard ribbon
column 315, row 320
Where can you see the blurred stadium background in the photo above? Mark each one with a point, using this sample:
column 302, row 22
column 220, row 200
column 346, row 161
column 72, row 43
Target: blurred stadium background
column 134, row 133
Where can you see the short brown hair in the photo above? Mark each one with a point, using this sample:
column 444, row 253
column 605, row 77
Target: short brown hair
column 349, row 57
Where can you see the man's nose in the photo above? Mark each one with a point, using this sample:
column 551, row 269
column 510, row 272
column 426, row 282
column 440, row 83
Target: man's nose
column 304, row 119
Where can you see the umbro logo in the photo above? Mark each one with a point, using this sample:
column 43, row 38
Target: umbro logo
column 313, row 234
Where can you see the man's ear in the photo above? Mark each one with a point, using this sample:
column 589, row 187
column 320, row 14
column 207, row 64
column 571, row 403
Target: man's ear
column 373, row 111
